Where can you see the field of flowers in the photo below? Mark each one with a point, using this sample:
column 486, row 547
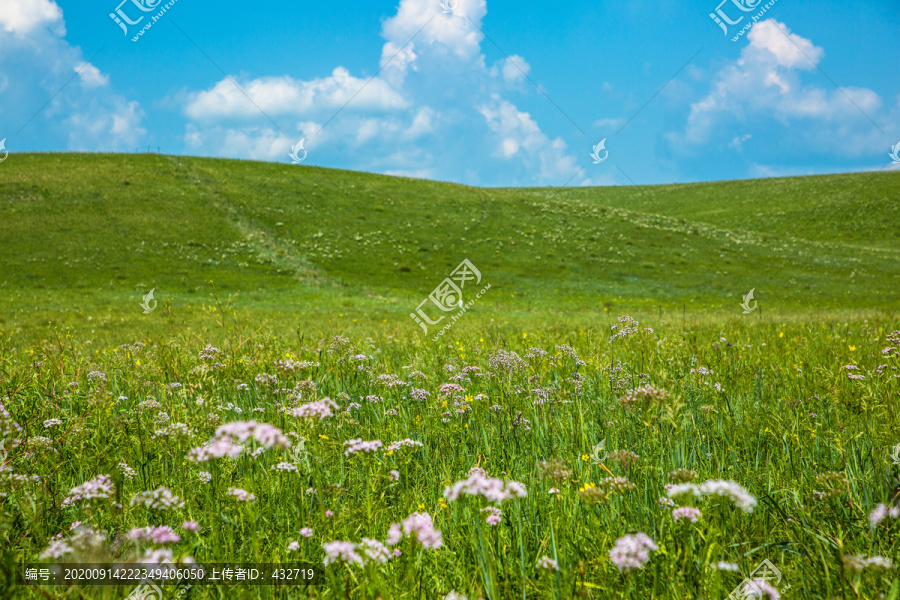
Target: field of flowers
column 632, row 460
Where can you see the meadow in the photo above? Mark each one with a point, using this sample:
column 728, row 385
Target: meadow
column 604, row 423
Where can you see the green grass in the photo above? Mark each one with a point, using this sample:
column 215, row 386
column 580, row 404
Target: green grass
column 272, row 262
column 87, row 235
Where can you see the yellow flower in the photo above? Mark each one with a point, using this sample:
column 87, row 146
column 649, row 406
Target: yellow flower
column 323, row 437
column 421, row 507
column 585, row 457
column 442, row 502
column 852, row 348
column 524, row 335
column 781, row 334
column 389, row 452
column 586, row 486
column 137, row 362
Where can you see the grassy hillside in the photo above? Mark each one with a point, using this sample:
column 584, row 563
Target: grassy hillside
column 85, row 236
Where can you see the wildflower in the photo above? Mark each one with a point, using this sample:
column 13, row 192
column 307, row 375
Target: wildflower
column 293, row 546
column 358, row 445
column 506, row 362
column 643, row 396
column 391, row 412
column 418, row 526
column 52, row 423
column 492, row 489
column 241, row 495
column 495, row 517
column 682, row 475
column 858, row 564
column 418, row 394
column 881, row 512
column 161, row 498
column 715, row 487
column 205, row 476
column 284, row 466
column 454, row 595
column 306, row 532
column 394, row 475
column 553, row 490
column 190, row 526
column 625, row 327
column 548, row 564
column 230, row 439
column 632, row 551
column 374, row 551
column 96, row 376
column 95, row 489
column 329, row 513
column 726, row 566
column 340, row 551
column 407, row 443
column 320, row 409
column 155, row 535
column 666, row 502
column 686, row 512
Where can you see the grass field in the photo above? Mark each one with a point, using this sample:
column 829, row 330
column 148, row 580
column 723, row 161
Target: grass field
column 283, row 334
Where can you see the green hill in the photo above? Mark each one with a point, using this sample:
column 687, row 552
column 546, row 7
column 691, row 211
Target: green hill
column 85, row 236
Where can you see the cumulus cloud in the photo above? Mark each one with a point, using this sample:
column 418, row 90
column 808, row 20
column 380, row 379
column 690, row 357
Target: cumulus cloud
column 434, row 108
column 85, row 115
column 518, row 136
column 24, row 16
column 765, row 85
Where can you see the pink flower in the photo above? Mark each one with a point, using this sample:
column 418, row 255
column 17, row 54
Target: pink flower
column 97, row 488
column 419, row 526
column 632, row 551
column 157, row 535
column 329, row 513
column 477, row 484
column 687, row 512
column 190, row 526
column 293, row 546
column 358, row 445
column 306, row 532
column 241, row 495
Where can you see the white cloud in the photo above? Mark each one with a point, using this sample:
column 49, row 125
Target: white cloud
column 520, row 137
column 764, row 86
column 433, row 109
column 91, row 75
column 24, row 16
column 515, row 68
column 33, row 48
column 286, row 96
column 111, row 126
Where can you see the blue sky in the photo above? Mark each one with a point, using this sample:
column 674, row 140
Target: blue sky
column 673, row 96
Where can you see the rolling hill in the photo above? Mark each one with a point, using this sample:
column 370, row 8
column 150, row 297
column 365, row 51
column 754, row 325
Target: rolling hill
column 83, row 237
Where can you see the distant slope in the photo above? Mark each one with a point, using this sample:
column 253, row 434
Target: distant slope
column 82, row 233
